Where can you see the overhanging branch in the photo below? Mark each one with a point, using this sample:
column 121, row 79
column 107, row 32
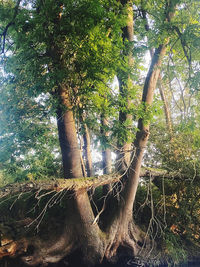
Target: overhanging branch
column 58, row 184
column 76, row 184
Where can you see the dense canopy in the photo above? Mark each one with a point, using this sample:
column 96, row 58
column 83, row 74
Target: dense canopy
column 99, row 131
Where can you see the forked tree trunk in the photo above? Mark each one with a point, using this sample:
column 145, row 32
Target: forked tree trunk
column 143, row 129
column 121, row 227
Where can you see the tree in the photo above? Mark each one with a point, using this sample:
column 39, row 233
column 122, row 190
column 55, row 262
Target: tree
column 62, row 55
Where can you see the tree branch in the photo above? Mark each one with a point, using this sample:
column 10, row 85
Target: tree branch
column 12, row 22
column 58, row 184
column 184, row 45
column 75, row 184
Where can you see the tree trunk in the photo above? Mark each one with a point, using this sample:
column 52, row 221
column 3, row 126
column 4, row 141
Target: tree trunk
column 165, row 107
column 120, row 226
column 160, row 87
column 106, row 152
column 86, row 148
column 143, row 129
column 106, row 156
column 124, row 153
column 68, row 137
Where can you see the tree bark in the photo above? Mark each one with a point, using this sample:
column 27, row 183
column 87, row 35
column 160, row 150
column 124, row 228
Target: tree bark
column 165, row 107
column 86, row 148
column 143, row 127
column 143, row 130
column 121, row 226
column 106, row 153
column 160, row 87
column 76, row 184
column 124, row 153
column 90, row 241
column 68, row 136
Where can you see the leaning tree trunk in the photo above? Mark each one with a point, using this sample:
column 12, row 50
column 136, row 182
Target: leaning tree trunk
column 121, row 228
column 160, row 84
column 143, row 128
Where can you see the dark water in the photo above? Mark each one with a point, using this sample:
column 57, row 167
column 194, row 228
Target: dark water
column 124, row 262
column 137, row 263
column 133, row 264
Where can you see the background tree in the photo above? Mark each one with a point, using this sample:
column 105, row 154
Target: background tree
column 59, row 60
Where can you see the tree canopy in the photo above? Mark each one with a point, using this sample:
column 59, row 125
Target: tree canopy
column 99, row 101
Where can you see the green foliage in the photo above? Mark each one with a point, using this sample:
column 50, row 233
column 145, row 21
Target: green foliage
column 175, row 248
column 79, row 44
column 28, row 144
column 51, row 47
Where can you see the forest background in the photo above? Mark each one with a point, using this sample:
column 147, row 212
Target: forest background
column 103, row 94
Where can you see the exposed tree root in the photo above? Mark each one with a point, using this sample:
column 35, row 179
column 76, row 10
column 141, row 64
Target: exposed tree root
column 126, row 239
column 68, row 229
column 123, row 239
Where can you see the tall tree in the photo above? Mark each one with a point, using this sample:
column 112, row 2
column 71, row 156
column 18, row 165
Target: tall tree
column 68, row 52
column 125, row 86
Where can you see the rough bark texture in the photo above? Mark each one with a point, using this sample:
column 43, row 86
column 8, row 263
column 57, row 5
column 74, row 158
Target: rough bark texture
column 74, row 184
column 121, row 227
column 58, row 184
